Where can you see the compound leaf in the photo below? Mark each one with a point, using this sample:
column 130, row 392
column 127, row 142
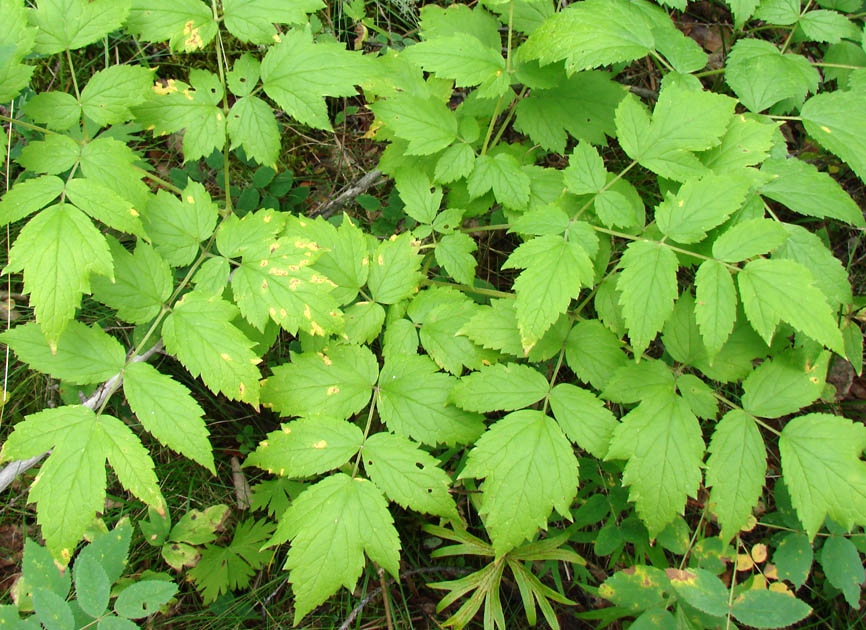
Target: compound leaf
column 502, row 173
column 29, row 196
column 105, row 205
column 188, row 24
column 253, row 20
column 762, row 76
column 71, row 24
column 583, row 417
column 110, row 93
column 177, row 226
column 700, row 205
column 500, row 387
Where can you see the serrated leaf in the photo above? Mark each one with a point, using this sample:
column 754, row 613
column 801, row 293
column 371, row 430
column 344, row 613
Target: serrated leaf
column 543, row 221
column 768, row 609
column 199, row 332
column 793, row 558
column 701, row 589
column 735, row 470
column 456, row 161
column 762, row 76
column 502, row 174
column 585, row 173
column 500, row 387
column 408, row 475
column 454, row 252
column 54, row 154
column 394, row 269
column 581, row 105
column 277, row 282
column 636, row 588
column 429, row 126
column 363, row 322
column 142, row 283
column 526, row 449
column 275, row 495
column 661, row 439
column 633, row 382
column 465, row 59
column 70, row 486
column 836, row 120
column 648, row 288
column 83, row 354
column 253, row 20
column 252, row 232
column 29, row 196
column 71, row 24
column 39, row 572
column 345, row 259
column 188, row 24
column 413, row 402
column 307, row 447
column 555, row 270
column 700, row 205
column 244, row 75
column 806, row 190
column 783, row 290
column 110, row 549
column 112, row 163
column 91, row 585
column 748, row 239
column 110, row 93
column 337, row 383
column 419, row 201
column 252, row 125
column 823, row 471
column 583, row 417
column 105, row 205
column 167, row 410
column 594, row 353
column 177, row 226
column 698, row 395
column 782, row 12
column 809, row 250
column 331, row 526
column 52, row 611
column 783, row 385
column 144, row 598
column 437, row 21
column 292, row 75
column 715, row 304
column 495, row 327
column 195, row 109
column 827, row 26
column 680, row 334
column 746, row 143
column 843, row 567
column 58, row 250
column 16, row 41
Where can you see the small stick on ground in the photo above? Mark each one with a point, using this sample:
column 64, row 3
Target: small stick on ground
column 358, row 187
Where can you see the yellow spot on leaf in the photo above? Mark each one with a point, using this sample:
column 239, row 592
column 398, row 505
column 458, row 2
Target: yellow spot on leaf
column 242, row 388
column 325, row 359
column 168, row 88
column 283, row 312
column 381, row 260
column 264, row 263
column 188, row 95
column 190, row 199
column 365, row 261
column 315, row 329
column 307, row 313
column 333, row 389
column 267, row 218
column 276, row 271
column 320, row 444
column 272, row 311
column 294, row 283
column 302, row 244
column 825, row 129
column 276, row 38
column 264, row 285
column 286, row 430
column 317, row 279
column 225, row 357
column 274, row 246
column 219, row 116
column 133, row 212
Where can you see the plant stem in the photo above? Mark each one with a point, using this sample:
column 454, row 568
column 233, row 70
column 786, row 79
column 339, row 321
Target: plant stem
column 553, row 378
column 366, row 430
column 72, row 72
column 467, row 289
column 28, row 125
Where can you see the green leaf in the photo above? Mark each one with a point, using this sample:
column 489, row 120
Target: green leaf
column 253, row 20
column 58, row 250
column 809, row 250
column 52, row 611
column 83, row 354
column 594, row 353
column 585, row 173
column 806, row 190
column 421, row 203
column 735, row 470
column 793, row 558
column 337, row 383
column 827, row 26
column 823, row 471
column 454, row 253
column 244, row 75
column 408, row 475
column 110, row 549
column 762, row 76
column 345, row 258
column 200, row 333
column 144, row 598
column 583, row 417
column 70, row 487
column 465, row 59
column 110, row 93
column 715, row 304
column 429, row 126
column 142, row 283
column 177, row 226
column 167, row 410
column 71, row 24
column 29, row 196
column 197, row 527
column 275, row 495
column 648, row 288
column 53, row 155
column 783, row 385
column 277, row 282
column 634, row 382
column 363, row 322
column 292, row 75
column 195, row 109
column 439, row 22
column 782, row 12
column 526, row 449
column 252, row 125
column 252, row 232
column 544, row 221
column 112, row 163
column 684, row 120
column 748, row 239
column 701, row 589
column 307, row 447
column 16, row 41
column 746, row 142
column 854, row 346
column 661, row 439
column 413, row 402
column 637, row 588
column 457, row 161
column 188, row 24
column 698, row 395
column 700, row 205
column 591, row 34
column 581, row 105
column 331, row 526
column 555, row 270
column 394, row 269
column 502, row 174
column 837, row 120
column 91, row 585
column 769, row 609
column 843, row 567
column 39, row 572
column 495, row 327
column 783, row 290
column 105, row 205
column 500, row 387
column 680, row 334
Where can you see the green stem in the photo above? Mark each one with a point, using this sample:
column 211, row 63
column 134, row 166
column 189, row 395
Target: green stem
column 486, row 228
column 222, row 62
column 708, row 73
column 758, row 421
column 366, row 430
column 511, row 111
column 510, row 32
column 793, row 28
column 155, row 178
column 28, row 125
column 496, row 113
column 467, row 289
column 72, row 72
column 822, row 64
column 774, row 117
column 618, row 177
column 553, row 378
column 662, row 60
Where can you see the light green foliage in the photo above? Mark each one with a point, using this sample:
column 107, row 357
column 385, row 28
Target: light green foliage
column 503, row 387
column 70, row 24
column 699, row 205
column 29, row 196
column 749, row 239
column 16, row 40
column 502, row 174
column 525, row 447
column 142, row 283
column 752, row 63
column 583, row 417
column 394, row 269
column 332, row 525
column 253, row 20
column 784, row 384
column 837, row 120
column 188, row 25
column 769, row 609
column 454, row 252
column 252, row 125
column 110, row 93
column 177, row 226
column 701, row 589
column 715, row 305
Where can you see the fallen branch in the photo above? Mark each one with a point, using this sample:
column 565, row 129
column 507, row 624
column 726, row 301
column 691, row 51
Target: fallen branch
column 94, row 402
column 351, row 191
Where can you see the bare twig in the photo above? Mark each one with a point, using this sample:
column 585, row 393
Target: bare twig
column 95, row 401
column 351, row 191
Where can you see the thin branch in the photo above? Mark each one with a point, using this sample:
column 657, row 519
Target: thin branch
column 358, row 187
column 97, row 399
